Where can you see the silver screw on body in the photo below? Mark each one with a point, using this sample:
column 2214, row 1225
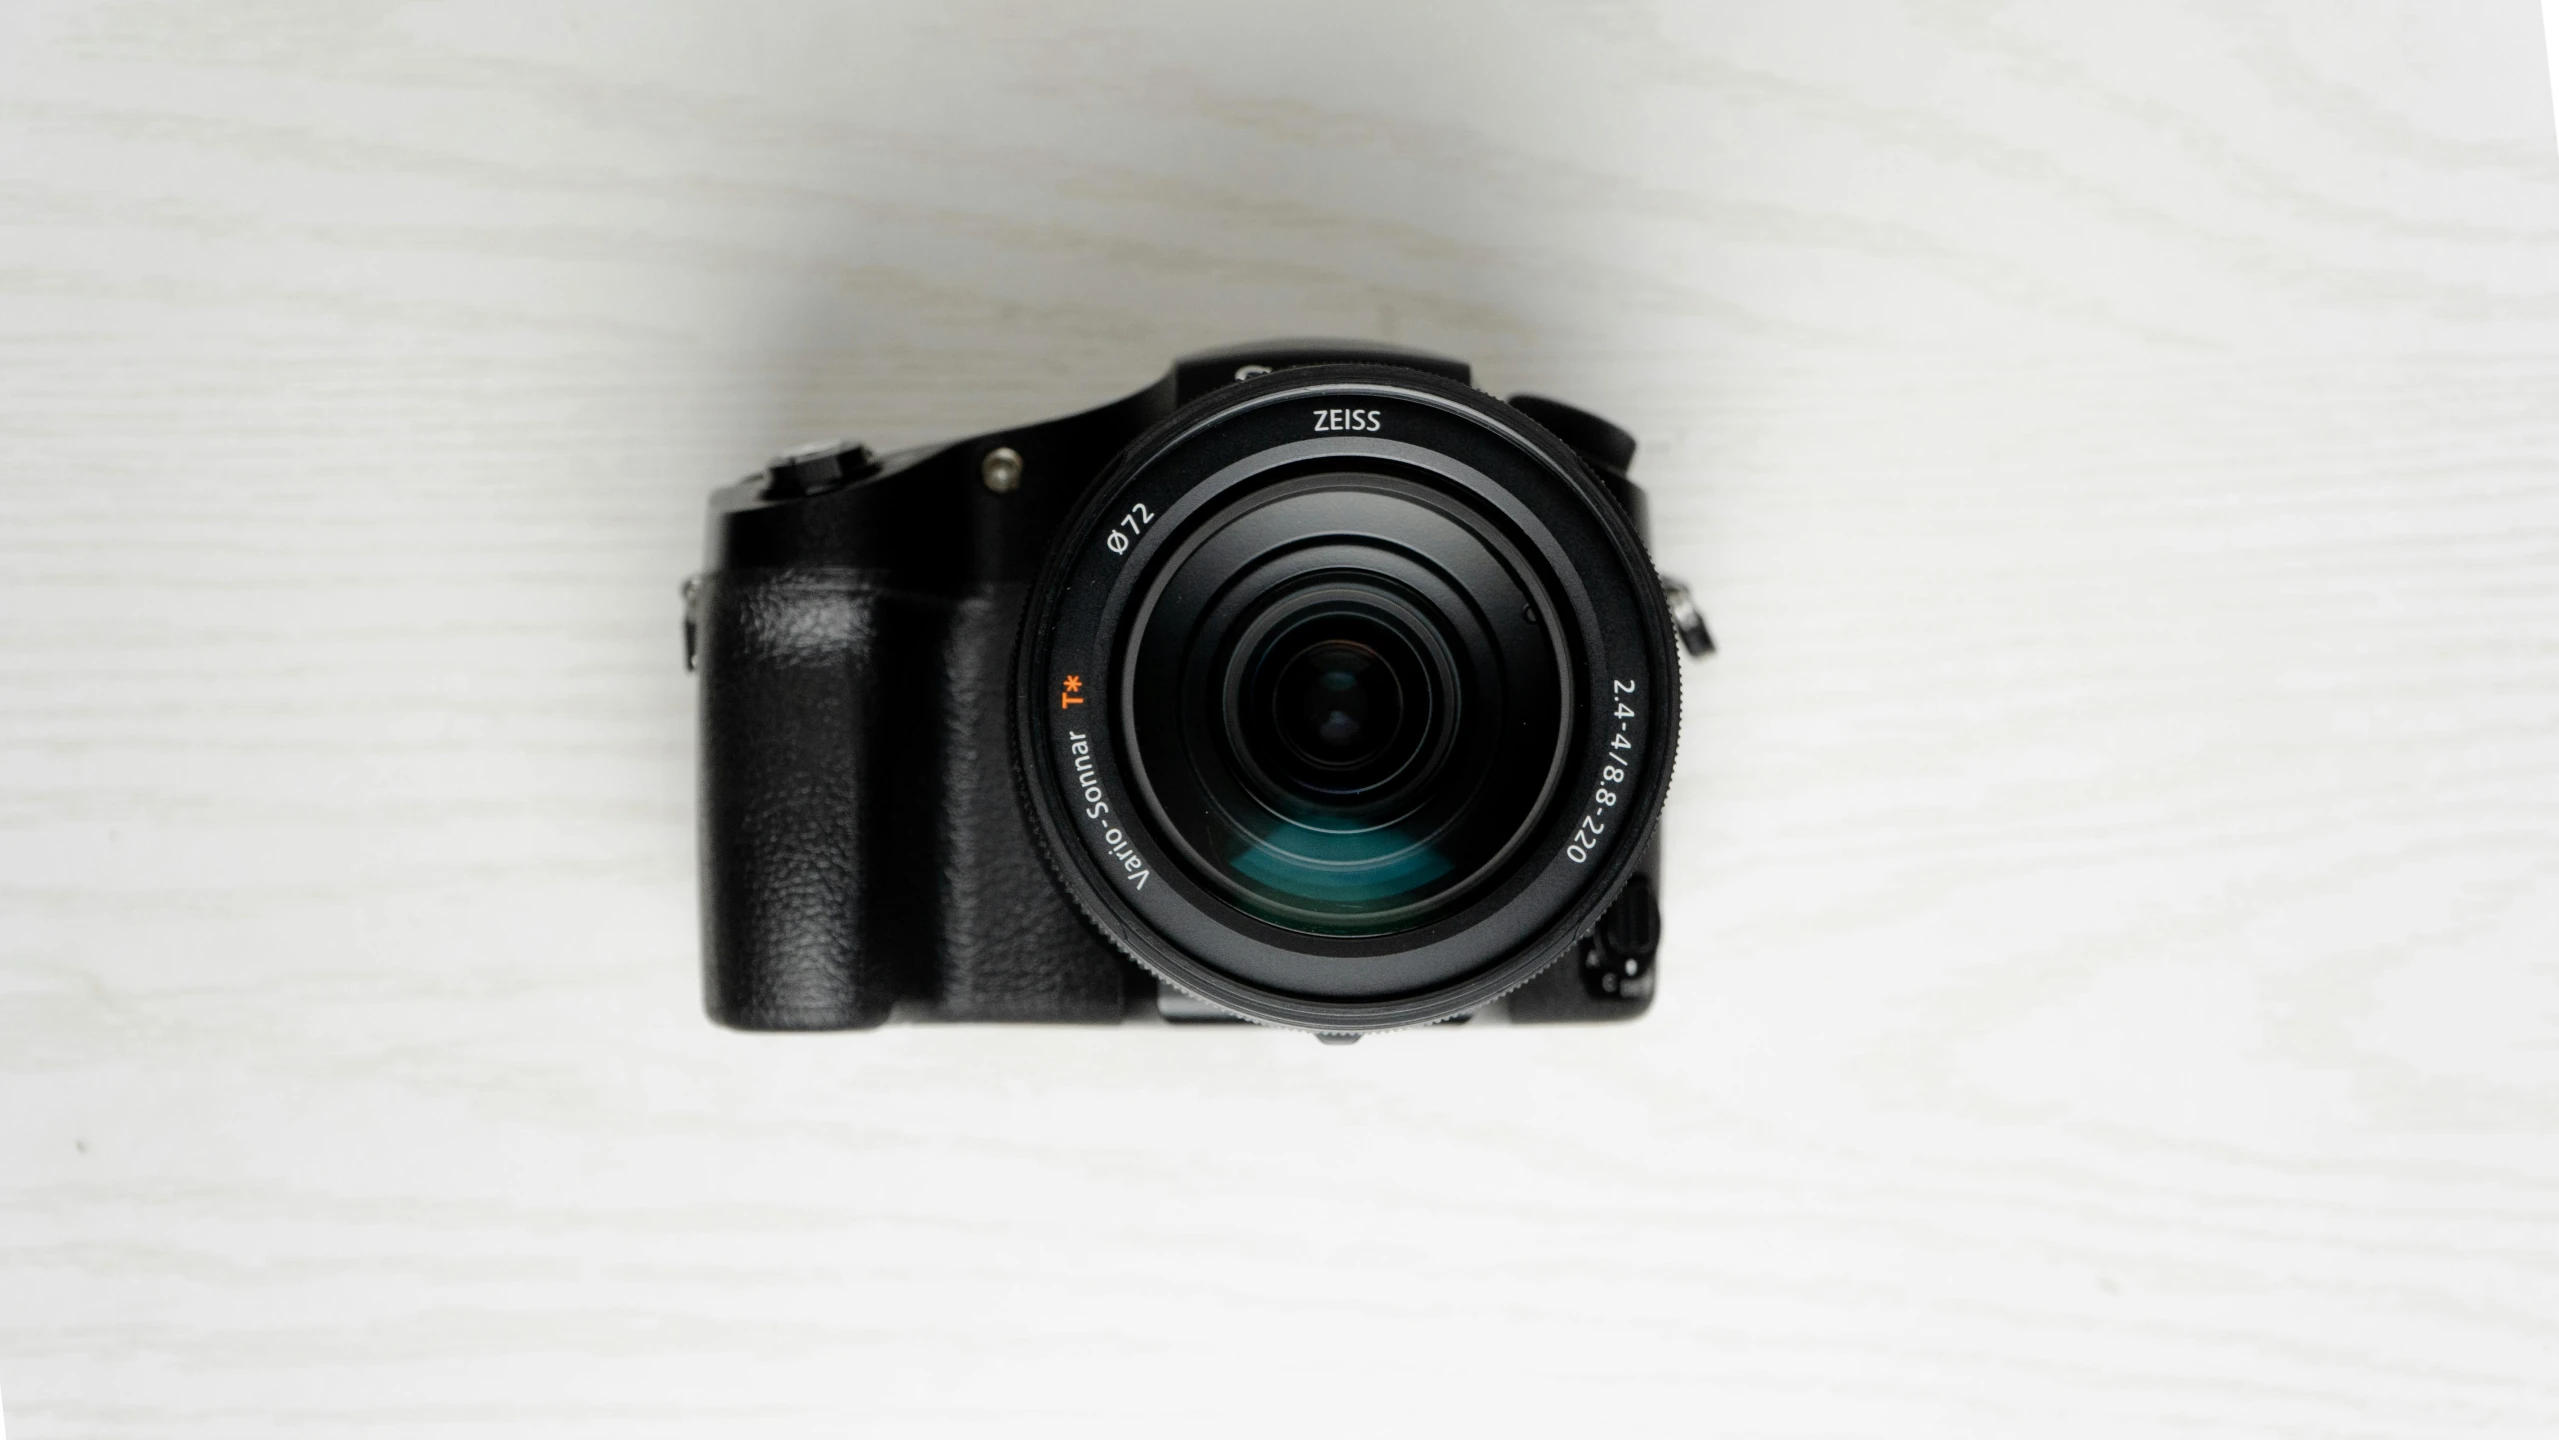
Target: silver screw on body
column 1001, row 469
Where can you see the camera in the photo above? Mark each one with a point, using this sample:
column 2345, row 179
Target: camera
column 1308, row 686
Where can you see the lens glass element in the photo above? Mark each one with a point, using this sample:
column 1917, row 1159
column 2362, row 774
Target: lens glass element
column 1342, row 709
column 1337, row 707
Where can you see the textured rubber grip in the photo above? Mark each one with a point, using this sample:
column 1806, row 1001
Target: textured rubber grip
column 790, row 679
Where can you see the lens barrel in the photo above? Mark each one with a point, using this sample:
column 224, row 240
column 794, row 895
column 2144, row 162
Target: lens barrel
column 1346, row 731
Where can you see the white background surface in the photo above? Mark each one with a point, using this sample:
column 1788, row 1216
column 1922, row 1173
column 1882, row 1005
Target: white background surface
column 2115, row 863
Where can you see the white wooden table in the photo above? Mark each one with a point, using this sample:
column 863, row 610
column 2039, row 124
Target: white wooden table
column 2114, row 905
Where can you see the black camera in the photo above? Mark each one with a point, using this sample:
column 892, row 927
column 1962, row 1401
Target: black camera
column 1308, row 685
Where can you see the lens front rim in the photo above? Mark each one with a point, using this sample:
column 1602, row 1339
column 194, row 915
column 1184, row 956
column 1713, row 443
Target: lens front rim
column 1607, row 617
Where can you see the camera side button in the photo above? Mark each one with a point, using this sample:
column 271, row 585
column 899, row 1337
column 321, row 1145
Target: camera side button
column 1617, row 963
column 1687, row 620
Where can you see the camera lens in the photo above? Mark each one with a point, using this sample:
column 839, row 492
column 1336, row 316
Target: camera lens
column 1346, row 699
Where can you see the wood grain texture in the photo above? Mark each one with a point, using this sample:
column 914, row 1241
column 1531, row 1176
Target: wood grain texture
column 2114, row 870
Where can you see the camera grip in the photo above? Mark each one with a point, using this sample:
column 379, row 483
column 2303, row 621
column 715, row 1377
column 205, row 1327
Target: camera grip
column 790, row 672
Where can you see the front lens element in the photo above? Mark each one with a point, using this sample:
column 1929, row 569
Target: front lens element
column 1341, row 711
column 1334, row 706
column 1337, row 708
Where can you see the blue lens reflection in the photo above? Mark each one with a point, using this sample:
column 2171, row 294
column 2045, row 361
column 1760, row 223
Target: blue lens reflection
column 1324, row 867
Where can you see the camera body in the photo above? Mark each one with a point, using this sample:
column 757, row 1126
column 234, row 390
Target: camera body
column 877, row 644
